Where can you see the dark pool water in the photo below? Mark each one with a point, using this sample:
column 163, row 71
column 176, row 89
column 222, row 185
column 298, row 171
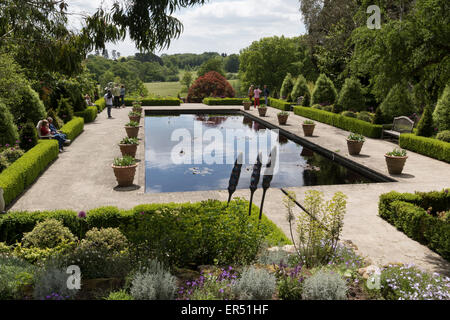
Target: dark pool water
column 177, row 161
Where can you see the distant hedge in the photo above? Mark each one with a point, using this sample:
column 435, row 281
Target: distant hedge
column 190, row 233
column 24, row 171
column 223, row 101
column 340, row 121
column 89, row 115
column 408, row 213
column 73, row 128
column 100, row 104
column 427, row 146
column 280, row 104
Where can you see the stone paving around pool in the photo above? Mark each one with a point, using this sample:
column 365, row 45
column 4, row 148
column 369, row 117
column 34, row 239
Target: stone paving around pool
column 82, row 179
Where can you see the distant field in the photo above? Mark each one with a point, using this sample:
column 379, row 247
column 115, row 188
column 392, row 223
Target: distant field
column 164, row 88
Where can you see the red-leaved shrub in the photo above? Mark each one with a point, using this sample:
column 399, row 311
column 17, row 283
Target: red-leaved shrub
column 212, row 84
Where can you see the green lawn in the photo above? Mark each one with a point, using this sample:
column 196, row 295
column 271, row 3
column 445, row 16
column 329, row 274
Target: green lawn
column 170, row 89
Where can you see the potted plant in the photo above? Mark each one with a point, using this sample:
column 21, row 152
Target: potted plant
column 128, row 146
column 282, row 117
column 247, row 104
column 308, row 128
column 134, row 116
column 355, row 142
column 124, row 170
column 137, row 108
column 395, row 160
column 262, row 110
column 132, row 129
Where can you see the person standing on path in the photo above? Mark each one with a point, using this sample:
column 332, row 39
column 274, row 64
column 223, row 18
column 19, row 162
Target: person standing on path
column 266, row 93
column 257, row 94
column 116, row 94
column 122, row 96
column 109, row 102
column 250, row 93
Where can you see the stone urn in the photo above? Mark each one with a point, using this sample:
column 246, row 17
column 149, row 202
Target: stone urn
column 308, row 129
column 395, row 164
column 354, row 147
column 125, row 175
column 247, row 105
column 128, row 149
column 132, row 132
column 262, row 111
column 282, row 119
column 135, row 118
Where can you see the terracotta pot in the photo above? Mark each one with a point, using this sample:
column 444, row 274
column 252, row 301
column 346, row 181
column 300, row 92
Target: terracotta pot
column 128, row 149
column 125, row 175
column 354, row 147
column 135, row 119
column 262, row 112
column 395, row 164
column 308, row 129
column 282, row 119
column 247, row 105
column 132, row 132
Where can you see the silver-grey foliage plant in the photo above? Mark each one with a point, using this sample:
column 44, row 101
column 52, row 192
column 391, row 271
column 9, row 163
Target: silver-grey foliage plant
column 325, row 285
column 53, row 281
column 255, row 284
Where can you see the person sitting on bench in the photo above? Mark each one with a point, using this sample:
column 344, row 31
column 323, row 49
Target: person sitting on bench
column 45, row 132
column 55, row 131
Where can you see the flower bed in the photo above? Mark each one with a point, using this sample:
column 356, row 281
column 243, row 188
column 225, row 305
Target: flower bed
column 340, row 121
column 24, row 171
column 421, row 216
column 73, row 128
column 427, row 146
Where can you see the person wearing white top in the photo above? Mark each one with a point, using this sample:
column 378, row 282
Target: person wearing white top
column 109, row 98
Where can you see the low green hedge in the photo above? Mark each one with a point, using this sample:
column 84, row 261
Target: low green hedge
column 73, row 128
column 340, row 121
column 23, row 172
column 186, row 234
column 408, row 213
column 280, row 104
column 427, row 146
column 223, row 101
column 89, row 115
column 100, row 104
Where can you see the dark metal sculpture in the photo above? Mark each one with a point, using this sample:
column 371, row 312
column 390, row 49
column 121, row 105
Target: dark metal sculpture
column 268, row 176
column 255, row 180
column 235, row 175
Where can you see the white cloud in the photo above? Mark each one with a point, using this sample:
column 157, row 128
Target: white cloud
column 221, row 25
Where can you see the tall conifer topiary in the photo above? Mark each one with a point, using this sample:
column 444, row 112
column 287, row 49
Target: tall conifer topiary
column 301, row 90
column 324, row 91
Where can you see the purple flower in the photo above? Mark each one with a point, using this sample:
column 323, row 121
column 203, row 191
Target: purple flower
column 81, row 214
column 7, row 145
column 142, row 213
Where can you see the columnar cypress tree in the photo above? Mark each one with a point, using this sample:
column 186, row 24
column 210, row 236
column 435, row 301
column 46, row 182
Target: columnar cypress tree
column 351, row 96
column 28, row 136
column 301, row 90
column 425, row 127
column 441, row 115
column 324, row 91
column 397, row 103
column 286, row 87
column 379, row 118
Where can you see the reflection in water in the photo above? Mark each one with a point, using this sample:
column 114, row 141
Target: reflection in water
column 298, row 165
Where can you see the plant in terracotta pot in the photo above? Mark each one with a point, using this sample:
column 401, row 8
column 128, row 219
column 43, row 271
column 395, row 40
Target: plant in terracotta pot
column 355, row 142
column 395, row 160
column 137, row 108
column 247, row 104
column 282, row 117
column 262, row 110
column 124, row 170
column 134, row 116
column 308, row 128
column 128, row 146
column 132, row 129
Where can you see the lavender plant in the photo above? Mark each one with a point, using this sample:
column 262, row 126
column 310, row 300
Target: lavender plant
column 255, row 284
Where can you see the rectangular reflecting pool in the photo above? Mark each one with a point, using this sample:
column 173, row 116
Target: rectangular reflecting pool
column 196, row 152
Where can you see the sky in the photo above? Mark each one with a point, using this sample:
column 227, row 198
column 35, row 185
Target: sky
column 224, row 26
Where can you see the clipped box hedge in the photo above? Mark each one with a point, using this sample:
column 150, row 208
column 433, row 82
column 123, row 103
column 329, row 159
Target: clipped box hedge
column 24, row 171
column 89, row 115
column 429, row 147
column 280, row 104
column 224, row 101
column 190, row 233
column 100, row 104
column 340, row 121
column 408, row 213
column 73, row 128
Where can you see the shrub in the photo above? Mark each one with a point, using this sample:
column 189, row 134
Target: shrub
column 349, row 114
column 51, row 284
column 160, row 102
column 223, row 102
column 154, row 283
column 48, row 234
column 211, row 84
column 25, row 170
column 441, row 114
column 72, row 91
column 427, row 146
column 273, row 257
column 286, row 87
column 325, row 285
column 425, row 126
column 255, row 284
column 31, row 107
column 89, row 115
column 351, row 96
column 280, row 104
column 119, row 295
column 65, row 110
column 101, row 104
column 12, row 154
column 324, row 91
column 57, row 122
column 397, row 103
column 444, row 136
column 379, row 117
column 8, row 130
column 301, row 90
column 28, row 136
column 73, row 128
column 365, row 116
column 346, row 123
column 15, row 274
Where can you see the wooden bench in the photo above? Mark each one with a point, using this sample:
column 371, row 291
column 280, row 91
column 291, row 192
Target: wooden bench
column 399, row 126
